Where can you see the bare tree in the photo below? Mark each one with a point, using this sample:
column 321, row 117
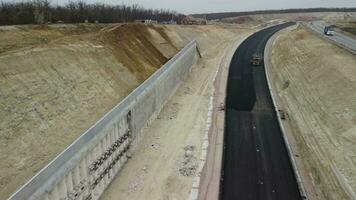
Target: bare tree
column 41, row 11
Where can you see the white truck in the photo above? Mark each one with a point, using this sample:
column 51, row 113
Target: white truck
column 329, row 30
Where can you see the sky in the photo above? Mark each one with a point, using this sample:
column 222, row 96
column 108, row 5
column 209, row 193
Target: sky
column 208, row 6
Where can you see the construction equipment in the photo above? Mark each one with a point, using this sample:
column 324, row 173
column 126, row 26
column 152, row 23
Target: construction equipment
column 282, row 114
column 329, row 30
column 257, row 59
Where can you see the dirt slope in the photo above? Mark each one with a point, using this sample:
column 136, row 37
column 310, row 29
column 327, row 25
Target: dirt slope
column 141, row 50
column 316, row 82
column 56, row 81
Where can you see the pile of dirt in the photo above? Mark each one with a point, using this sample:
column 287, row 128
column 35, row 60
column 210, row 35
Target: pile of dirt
column 57, row 81
column 240, row 20
column 320, row 101
column 189, row 163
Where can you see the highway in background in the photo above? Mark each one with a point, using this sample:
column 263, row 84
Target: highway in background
column 256, row 163
column 338, row 37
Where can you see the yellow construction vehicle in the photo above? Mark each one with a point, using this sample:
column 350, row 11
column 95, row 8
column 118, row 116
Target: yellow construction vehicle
column 257, row 60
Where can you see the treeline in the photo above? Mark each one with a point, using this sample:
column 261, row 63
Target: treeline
column 214, row 16
column 41, row 11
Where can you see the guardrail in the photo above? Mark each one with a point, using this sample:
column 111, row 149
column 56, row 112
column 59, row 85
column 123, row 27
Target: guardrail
column 88, row 165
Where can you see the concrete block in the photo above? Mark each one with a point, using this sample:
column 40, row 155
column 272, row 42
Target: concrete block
column 194, row 193
column 205, row 145
column 203, row 155
column 196, row 182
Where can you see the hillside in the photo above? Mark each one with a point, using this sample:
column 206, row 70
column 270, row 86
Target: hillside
column 57, row 81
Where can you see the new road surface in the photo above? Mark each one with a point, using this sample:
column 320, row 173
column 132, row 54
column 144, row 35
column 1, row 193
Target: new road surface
column 256, row 162
column 339, row 38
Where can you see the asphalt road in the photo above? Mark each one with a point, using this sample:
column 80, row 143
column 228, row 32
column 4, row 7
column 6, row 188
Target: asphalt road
column 256, row 163
column 339, row 38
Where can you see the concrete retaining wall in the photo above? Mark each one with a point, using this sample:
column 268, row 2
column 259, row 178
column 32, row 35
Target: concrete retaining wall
column 88, row 165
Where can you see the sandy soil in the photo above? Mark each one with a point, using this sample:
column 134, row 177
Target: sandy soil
column 164, row 165
column 316, row 82
column 55, row 82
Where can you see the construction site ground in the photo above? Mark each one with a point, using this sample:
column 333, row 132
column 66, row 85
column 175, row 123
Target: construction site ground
column 56, row 81
column 315, row 83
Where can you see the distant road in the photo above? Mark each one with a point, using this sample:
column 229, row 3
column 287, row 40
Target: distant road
column 338, row 37
column 256, row 163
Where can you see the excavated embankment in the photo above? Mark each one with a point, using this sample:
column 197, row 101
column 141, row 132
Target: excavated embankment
column 55, row 82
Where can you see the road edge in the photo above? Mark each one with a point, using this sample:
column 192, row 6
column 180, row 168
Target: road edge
column 297, row 164
column 206, row 185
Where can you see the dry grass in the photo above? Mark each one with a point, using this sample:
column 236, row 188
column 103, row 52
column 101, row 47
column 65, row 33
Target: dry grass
column 349, row 27
column 30, row 36
column 133, row 46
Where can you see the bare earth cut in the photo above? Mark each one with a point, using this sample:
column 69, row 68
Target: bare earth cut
column 53, row 89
